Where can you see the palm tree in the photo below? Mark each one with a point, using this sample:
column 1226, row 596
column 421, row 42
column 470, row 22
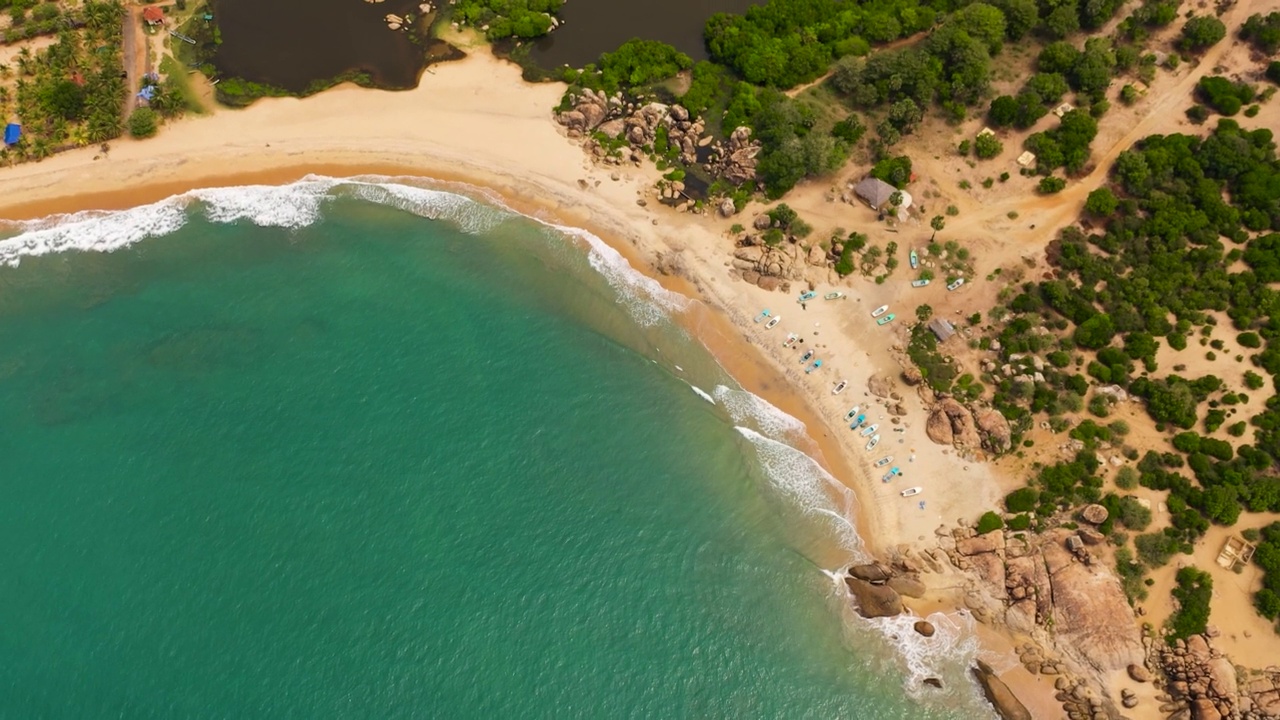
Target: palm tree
column 937, row 223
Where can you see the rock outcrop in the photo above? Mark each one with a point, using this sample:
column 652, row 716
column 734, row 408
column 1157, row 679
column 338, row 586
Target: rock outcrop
column 951, row 423
column 998, row 693
column 1203, row 683
column 784, row 261
column 874, row 601
column 993, row 428
column 735, row 159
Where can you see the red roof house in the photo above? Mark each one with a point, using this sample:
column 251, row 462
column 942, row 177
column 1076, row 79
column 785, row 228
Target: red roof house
column 153, row 15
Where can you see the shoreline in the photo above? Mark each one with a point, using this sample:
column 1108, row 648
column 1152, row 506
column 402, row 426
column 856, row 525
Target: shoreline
column 477, row 123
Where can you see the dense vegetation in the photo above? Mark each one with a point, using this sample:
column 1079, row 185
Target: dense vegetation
column 70, row 93
column 1262, row 32
column 634, row 65
column 1193, row 593
column 1267, row 600
column 508, row 18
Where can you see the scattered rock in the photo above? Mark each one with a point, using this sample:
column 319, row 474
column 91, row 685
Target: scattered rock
column 933, row 682
column 1139, row 673
column 912, row 376
column 925, row 628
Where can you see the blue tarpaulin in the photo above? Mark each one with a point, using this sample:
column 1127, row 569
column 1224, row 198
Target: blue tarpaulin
column 12, row 133
column 148, row 93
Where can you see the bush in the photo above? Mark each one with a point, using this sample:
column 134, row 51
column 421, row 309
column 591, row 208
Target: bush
column 1101, row 202
column 987, row 146
column 142, row 123
column 1126, row 478
column 1194, row 590
column 1155, row 549
column 1019, row 522
column 1050, row 185
column 1200, row 33
column 1022, row 500
column 989, row 522
column 1133, row 514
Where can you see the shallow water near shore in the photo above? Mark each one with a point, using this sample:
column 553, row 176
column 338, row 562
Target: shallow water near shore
column 368, row 449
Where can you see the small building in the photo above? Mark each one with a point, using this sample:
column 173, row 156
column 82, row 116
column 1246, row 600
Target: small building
column 152, row 15
column 1236, row 550
column 1063, row 109
column 942, row 328
column 877, row 193
column 986, row 131
column 1027, row 159
column 12, row 133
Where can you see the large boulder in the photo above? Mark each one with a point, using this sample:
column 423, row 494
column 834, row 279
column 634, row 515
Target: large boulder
column 1139, row 673
column 1203, row 709
column 951, row 423
column 912, row 376
column 874, row 601
column 925, row 628
column 985, row 543
column 871, row 572
column 727, row 208
column 879, row 385
column 1095, row 514
column 593, row 113
column 613, row 128
column 997, row 436
column 908, row 585
column 573, row 120
column 1007, row 705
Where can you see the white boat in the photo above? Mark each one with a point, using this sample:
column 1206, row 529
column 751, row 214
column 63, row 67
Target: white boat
column 791, row 340
column 911, row 491
column 870, row 429
column 914, row 259
column 873, row 442
column 884, row 461
column 879, row 311
column 956, row 284
column 840, row 386
column 919, row 283
column 763, row 314
column 852, row 413
column 773, row 323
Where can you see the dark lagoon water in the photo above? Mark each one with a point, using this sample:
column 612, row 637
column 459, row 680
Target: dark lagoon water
column 372, row 450
column 293, row 43
column 592, row 27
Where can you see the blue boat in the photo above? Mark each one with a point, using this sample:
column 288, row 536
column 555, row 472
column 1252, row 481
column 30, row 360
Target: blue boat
column 763, row 314
column 807, row 296
column 858, row 423
column 816, row 364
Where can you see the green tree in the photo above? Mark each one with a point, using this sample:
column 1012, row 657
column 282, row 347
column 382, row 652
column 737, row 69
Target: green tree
column 987, row 146
column 1101, row 202
column 938, row 223
column 924, row 312
column 1193, row 592
column 1201, row 32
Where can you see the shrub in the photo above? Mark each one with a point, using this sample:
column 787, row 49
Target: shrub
column 987, row 146
column 1155, row 549
column 1022, row 500
column 142, row 123
column 1050, row 185
column 1201, row 32
column 1019, row 522
column 1133, row 514
column 1126, row 478
column 989, row 522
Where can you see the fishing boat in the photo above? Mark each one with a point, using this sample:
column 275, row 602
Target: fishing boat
column 911, row 491
column 773, row 323
column 956, row 284
column 873, row 442
column 914, row 258
column 849, row 415
column 840, row 386
column 805, row 358
column 858, row 422
column 891, row 475
column 886, row 319
column 919, row 283
column 884, row 461
column 807, row 296
column 833, row 296
column 816, row 364
column 791, row 340
column 870, row 429
column 879, row 311
column 763, row 314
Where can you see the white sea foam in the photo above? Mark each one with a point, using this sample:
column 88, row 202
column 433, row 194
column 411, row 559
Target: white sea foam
column 803, row 481
column 747, row 408
column 703, row 394
column 93, row 231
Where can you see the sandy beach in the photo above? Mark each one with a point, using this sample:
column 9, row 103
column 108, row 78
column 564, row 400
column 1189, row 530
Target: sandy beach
column 476, row 122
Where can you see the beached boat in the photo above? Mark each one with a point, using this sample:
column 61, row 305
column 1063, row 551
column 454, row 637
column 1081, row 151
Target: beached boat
column 914, row 258
column 873, row 442
column 833, row 296
column 840, row 386
column 805, row 357
column 773, row 323
column 807, row 296
column 919, row 283
column 763, row 314
column 879, row 311
column 911, row 491
column 849, row 415
column 891, row 475
column 791, row 340
column 816, row 364
column 884, row 461
column 858, row 422
column 956, row 284
column 886, row 319
column 870, row 429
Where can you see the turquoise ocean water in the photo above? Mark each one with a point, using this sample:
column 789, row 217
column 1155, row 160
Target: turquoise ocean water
column 368, row 450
